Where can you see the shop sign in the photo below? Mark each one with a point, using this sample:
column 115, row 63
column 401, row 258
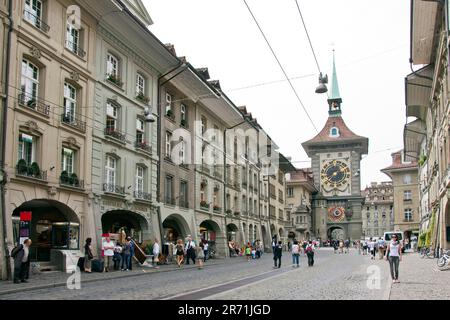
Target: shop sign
column 24, row 226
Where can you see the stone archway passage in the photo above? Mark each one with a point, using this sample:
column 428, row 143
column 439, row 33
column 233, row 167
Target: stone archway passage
column 53, row 226
column 211, row 232
column 175, row 227
column 336, row 233
column 128, row 222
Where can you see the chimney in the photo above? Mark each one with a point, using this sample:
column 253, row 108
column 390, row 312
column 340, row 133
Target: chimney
column 397, row 158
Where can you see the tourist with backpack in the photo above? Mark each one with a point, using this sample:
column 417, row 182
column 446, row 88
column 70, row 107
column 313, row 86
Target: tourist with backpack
column 21, row 257
column 295, row 250
column 310, row 253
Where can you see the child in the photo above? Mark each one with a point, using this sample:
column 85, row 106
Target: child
column 248, row 251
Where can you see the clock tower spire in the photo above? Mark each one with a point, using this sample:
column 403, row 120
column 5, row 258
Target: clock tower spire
column 334, row 102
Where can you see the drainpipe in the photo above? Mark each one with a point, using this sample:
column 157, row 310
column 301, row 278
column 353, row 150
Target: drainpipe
column 158, row 145
column 3, row 141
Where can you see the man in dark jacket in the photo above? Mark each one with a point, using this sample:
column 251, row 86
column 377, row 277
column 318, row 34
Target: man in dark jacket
column 278, row 251
column 21, row 261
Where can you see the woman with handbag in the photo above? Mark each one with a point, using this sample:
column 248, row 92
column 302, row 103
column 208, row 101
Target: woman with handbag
column 88, row 256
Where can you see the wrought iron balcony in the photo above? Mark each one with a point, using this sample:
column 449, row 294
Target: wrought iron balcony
column 74, row 120
column 34, row 103
column 142, row 195
column 36, row 21
column 110, row 132
column 142, row 145
column 107, row 187
column 71, row 181
column 217, row 209
column 75, row 48
column 29, row 172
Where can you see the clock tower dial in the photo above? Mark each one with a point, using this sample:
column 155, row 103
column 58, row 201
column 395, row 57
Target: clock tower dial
column 335, row 174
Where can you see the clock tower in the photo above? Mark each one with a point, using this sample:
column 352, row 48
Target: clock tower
column 335, row 159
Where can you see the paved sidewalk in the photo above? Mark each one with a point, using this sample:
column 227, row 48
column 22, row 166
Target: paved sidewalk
column 420, row 279
column 58, row 279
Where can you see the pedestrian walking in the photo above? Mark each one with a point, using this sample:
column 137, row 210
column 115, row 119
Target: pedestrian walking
column 394, row 256
column 310, row 253
column 381, row 247
column 200, row 253
column 179, row 252
column 156, row 251
column 371, row 246
column 21, row 257
column 117, row 258
column 335, row 246
column 295, row 254
column 274, row 244
column 341, row 246
column 347, row 245
column 88, row 256
column 130, row 260
column 108, row 253
column 190, row 250
column 205, row 250
column 126, row 255
column 278, row 252
column 248, row 251
column 365, row 246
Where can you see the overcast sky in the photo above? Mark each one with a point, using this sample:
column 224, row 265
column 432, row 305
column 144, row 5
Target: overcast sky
column 371, row 42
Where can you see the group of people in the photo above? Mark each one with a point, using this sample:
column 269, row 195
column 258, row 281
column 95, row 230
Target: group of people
column 307, row 247
column 372, row 246
column 340, row 246
column 252, row 251
column 121, row 254
column 185, row 252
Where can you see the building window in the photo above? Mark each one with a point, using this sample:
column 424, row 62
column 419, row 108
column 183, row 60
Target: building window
column 334, row 132
column 67, row 161
column 183, row 115
column 111, row 116
column 290, row 192
column 407, row 195
column 33, row 12
column 73, row 40
column 27, row 144
column 168, row 152
column 70, row 103
column 408, row 215
column 140, row 131
column 140, row 85
column 29, row 85
column 182, row 152
column 169, row 190
column 139, row 183
column 203, row 188
column 110, row 171
column 407, row 179
column 183, row 194
column 204, row 124
column 169, row 111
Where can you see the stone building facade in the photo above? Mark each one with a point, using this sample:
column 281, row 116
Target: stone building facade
column 426, row 135
column 378, row 209
column 404, row 177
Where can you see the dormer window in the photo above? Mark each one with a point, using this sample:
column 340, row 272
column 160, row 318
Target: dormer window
column 334, row 132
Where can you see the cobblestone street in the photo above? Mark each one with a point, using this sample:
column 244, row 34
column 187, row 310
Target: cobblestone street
column 334, row 276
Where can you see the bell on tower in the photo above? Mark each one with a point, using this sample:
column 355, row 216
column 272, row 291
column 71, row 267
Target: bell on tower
column 335, row 100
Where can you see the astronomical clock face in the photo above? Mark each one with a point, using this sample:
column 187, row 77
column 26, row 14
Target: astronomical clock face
column 335, row 176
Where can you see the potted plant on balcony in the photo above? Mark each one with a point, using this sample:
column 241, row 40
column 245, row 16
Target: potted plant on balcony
column 216, row 208
column 64, row 177
column 422, row 160
column 22, row 167
column 204, row 204
column 183, row 123
column 35, row 170
column 141, row 97
column 169, row 113
column 229, row 211
column 114, row 79
column 73, row 180
column 31, row 103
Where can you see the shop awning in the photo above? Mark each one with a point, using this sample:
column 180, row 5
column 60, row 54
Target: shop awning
column 413, row 135
column 418, row 91
column 423, row 23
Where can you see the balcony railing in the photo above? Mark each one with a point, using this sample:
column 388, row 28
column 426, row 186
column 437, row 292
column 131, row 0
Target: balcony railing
column 75, row 48
column 108, row 187
column 36, row 21
column 74, row 120
column 34, row 103
column 142, row 145
column 142, row 195
column 115, row 134
column 30, row 173
column 71, row 181
column 217, row 209
column 204, row 205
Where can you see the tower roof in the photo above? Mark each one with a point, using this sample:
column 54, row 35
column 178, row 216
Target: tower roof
column 335, row 95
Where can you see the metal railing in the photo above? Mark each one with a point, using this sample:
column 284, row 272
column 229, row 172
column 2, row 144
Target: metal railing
column 30, row 173
column 142, row 195
column 74, row 120
column 71, row 182
column 34, row 103
column 36, row 21
column 75, row 48
column 143, row 146
column 113, row 188
column 169, row 200
column 115, row 134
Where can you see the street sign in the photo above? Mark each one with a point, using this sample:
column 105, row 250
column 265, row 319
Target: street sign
column 24, row 226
